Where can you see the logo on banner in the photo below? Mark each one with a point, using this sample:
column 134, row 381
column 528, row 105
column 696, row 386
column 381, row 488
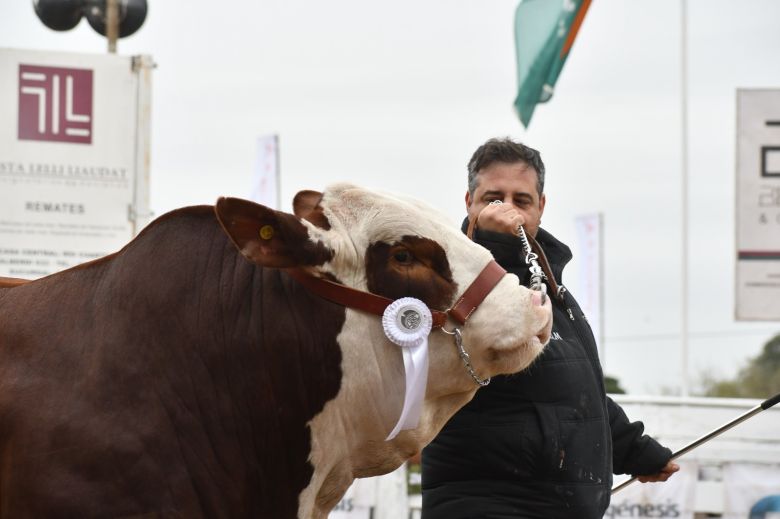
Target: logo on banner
column 638, row 509
column 55, row 104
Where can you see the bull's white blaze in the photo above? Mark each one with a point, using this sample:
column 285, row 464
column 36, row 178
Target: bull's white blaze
column 503, row 335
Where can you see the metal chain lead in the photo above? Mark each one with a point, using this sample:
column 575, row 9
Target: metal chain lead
column 537, row 283
column 467, row 360
column 537, row 274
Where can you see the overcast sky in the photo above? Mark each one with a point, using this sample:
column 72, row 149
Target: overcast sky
column 397, row 95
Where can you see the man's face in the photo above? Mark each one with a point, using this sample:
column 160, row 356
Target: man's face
column 514, row 184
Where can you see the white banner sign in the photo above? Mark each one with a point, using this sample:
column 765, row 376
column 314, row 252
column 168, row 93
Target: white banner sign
column 358, row 502
column 673, row 498
column 752, row 491
column 73, row 162
column 589, row 271
column 265, row 178
column 758, row 205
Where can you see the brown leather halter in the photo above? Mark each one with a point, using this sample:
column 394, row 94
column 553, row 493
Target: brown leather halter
column 375, row 304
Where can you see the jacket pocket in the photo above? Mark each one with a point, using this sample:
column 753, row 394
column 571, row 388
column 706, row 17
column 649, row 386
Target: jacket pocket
column 512, row 448
column 550, row 447
column 575, row 448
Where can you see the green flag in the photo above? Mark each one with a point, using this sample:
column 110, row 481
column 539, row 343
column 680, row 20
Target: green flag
column 544, row 34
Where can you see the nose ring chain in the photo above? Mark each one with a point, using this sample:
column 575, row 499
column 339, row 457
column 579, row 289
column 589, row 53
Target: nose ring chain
column 537, row 274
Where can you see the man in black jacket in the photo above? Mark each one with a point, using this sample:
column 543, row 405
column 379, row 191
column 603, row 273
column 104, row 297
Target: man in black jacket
column 543, row 443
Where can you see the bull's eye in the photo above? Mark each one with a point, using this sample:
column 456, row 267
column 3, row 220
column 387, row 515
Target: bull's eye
column 403, row 256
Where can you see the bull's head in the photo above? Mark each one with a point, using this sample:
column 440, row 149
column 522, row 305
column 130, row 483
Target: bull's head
column 394, row 248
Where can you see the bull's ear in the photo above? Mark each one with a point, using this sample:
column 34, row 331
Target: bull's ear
column 268, row 237
column 306, row 205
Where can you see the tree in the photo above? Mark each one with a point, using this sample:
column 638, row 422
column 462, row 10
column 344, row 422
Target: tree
column 612, row 385
column 759, row 379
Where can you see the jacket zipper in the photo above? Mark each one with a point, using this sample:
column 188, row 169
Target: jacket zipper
column 562, row 294
column 562, row 291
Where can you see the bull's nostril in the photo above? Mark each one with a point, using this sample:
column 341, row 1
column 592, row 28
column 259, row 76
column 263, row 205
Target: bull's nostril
column 536, row 298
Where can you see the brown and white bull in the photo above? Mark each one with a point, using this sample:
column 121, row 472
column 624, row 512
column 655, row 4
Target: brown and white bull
column 177, row 379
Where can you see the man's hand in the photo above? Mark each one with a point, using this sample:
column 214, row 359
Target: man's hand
column 663, row 475
column 503, row 218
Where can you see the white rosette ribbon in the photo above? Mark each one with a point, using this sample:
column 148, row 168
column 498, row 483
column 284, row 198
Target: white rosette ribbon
column 407, row 323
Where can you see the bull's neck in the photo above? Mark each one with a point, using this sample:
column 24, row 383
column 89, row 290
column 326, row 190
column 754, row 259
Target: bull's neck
column 352, row 428
column 246, row 357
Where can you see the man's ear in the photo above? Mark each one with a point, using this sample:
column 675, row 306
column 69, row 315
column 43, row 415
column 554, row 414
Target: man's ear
column 267, row 237
column 468, row 200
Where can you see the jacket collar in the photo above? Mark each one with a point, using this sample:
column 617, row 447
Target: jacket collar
column 558, row 253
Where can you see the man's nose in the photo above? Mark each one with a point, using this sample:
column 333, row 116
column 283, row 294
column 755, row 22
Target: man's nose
column 511, row 201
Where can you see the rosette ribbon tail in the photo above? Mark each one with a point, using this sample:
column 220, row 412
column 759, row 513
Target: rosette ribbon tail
column 407, row 322
column 416, row 368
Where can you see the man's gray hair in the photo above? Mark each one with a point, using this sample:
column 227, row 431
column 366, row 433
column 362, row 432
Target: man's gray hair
column 508, row 151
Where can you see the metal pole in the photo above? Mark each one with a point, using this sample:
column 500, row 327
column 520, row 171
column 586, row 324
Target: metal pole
column 766, row 404
column 684, row 198
column 602, row 332
column 112, row 24
column 140, row 213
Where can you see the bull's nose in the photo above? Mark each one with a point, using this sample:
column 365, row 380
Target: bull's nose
column 536, row 298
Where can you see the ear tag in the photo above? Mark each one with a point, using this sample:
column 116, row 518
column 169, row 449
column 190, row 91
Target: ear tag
column 407, row 322
column 266, row 232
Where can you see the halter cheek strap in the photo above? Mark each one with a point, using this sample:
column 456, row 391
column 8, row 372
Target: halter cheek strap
column 476, row 292
column 376, row 304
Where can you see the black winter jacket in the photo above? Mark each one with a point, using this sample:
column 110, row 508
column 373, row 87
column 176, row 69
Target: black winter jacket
column 543, row 443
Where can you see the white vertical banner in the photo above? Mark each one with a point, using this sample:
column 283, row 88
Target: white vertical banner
column 358, row 502
column 589, row 260
column 673, row 498
column 392, row 495
column 758, row 205
column 751, row 491
column 265, row 172
column 380, row 497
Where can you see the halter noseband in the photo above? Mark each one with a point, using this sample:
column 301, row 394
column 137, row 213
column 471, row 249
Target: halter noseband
column 376, row 304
